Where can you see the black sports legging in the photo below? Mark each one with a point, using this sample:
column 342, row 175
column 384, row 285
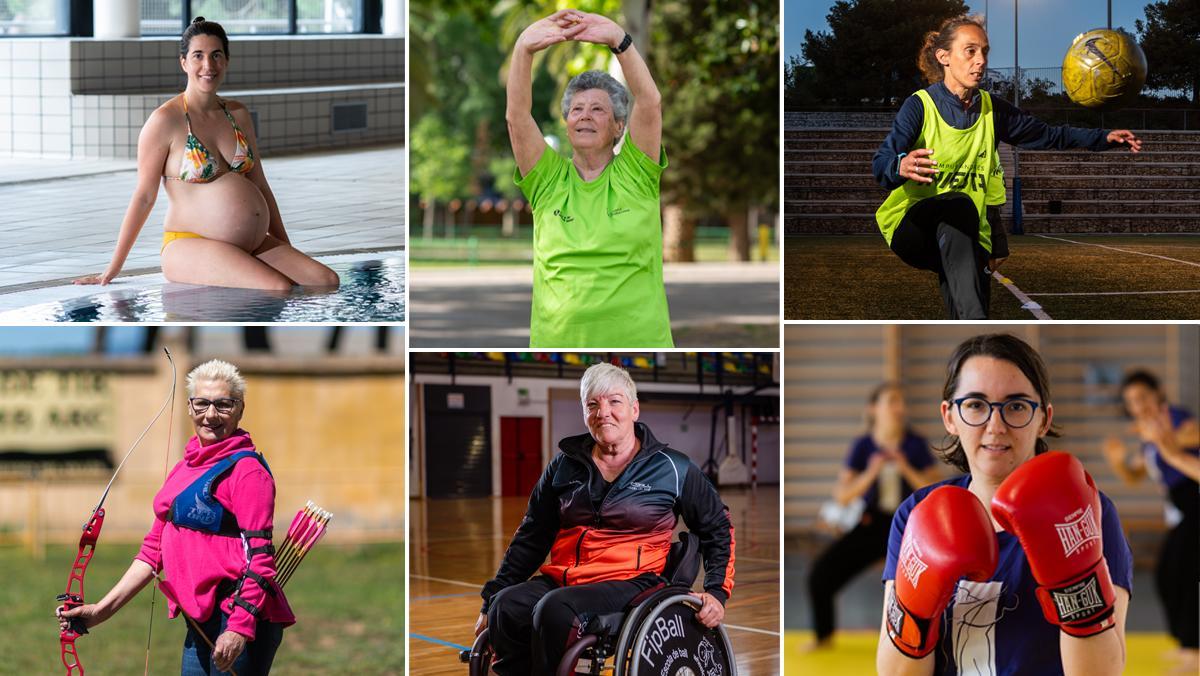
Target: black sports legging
column 531, row 625
column 1178, row 570
column 941, row 234
column 842, row 562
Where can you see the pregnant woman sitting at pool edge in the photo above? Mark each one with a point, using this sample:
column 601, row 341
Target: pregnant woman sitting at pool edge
column 223, row 226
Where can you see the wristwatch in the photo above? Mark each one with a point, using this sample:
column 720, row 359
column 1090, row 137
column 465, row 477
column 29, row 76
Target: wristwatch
column 620, row 49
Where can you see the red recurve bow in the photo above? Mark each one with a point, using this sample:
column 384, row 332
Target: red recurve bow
column 73, row 597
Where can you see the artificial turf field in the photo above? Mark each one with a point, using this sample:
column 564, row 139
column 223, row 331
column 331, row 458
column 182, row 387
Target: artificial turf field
column 858, row 277
column 348, row 601
column 854, row 653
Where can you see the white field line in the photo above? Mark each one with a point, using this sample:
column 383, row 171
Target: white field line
column 1027, row 303
column 1111, row 293
column 1113, row 248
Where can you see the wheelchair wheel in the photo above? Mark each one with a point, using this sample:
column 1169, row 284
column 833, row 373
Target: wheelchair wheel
column 667, row 640
column 479, row 657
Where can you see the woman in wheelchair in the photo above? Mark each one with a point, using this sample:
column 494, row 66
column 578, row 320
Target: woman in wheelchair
column 604, row 510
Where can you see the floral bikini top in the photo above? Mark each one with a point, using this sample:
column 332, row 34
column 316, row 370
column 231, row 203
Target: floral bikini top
column 201, row 166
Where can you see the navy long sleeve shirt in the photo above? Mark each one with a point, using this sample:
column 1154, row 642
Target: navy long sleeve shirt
column 1013, row 126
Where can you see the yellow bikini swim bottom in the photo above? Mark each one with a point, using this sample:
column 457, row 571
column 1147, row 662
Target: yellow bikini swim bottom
column 169, row 237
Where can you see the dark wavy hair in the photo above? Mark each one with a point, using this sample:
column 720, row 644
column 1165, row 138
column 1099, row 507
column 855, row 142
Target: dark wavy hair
column 931, row 68
column 202, row 26
column 998, row 346
column 876, row 393
column 1139, row 377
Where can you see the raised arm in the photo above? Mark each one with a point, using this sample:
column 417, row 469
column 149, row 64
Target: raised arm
column 153, row 145
column 527, row 140
column 645, row 121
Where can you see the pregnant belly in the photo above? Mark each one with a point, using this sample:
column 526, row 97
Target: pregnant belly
column 230, row 209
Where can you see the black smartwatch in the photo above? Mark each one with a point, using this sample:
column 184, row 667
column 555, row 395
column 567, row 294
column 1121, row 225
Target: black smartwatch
column 620, row 49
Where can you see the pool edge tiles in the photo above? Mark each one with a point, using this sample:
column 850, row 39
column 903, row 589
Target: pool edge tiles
column 372, row 291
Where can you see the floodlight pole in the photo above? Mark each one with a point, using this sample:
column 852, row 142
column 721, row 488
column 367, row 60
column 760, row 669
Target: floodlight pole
column 1018, row 227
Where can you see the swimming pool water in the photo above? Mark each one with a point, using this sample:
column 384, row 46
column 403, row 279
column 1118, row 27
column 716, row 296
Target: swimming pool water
column 370, row 291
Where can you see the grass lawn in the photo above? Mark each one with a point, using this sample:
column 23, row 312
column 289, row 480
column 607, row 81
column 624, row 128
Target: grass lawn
column 348, row 600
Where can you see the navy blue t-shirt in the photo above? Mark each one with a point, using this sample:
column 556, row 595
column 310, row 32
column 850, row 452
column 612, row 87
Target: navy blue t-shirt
column 914, row 448
column 997, row 627
column 1170, row 476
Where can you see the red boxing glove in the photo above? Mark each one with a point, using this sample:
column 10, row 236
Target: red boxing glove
column 948, row 536
column 1051, row 504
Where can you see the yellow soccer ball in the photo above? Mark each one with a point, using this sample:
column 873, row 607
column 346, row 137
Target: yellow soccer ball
column 1104, row 69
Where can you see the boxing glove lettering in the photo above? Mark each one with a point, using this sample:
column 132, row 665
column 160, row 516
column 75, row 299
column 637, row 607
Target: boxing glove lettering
column 1051, row 505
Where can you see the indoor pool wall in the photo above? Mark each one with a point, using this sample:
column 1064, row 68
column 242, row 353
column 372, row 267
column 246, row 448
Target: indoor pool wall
column 79, row 97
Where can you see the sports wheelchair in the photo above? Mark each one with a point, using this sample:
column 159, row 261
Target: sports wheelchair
column 657, row 633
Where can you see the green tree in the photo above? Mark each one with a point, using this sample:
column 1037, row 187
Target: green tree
column 716, row 63
column 798, row 81
column 870, row 57
column 439, row 166
column 1170, row 37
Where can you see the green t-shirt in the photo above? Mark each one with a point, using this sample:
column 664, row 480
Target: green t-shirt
column 967, row 163
column 597, row 253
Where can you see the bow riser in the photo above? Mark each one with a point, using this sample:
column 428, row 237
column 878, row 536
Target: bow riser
column 73, row 596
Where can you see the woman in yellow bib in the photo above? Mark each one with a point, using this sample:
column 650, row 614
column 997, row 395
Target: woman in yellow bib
column 940, row 162
column 597, row 242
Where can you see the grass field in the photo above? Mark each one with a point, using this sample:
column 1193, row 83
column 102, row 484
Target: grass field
column 348, row 600
column 1071, row 277
column 854, row 653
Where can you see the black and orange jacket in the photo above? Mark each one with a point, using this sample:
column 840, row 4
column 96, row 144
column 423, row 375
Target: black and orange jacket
column 592, row 537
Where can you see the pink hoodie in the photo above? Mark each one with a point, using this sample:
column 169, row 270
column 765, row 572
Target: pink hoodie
column 195, row 562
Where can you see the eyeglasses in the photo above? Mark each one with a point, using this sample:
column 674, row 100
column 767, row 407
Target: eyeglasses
column 976, row 411
column 200, row 406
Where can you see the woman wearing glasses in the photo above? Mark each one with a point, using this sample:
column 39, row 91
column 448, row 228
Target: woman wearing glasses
column 211, row 540
column 1018, row 566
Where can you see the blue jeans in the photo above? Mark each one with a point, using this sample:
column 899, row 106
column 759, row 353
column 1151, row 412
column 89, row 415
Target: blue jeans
column 255, row 660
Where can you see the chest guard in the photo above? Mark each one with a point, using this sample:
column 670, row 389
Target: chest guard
column 196, row 508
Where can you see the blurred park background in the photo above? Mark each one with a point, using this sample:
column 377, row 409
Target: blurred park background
column 325, row 406
column 716, row 64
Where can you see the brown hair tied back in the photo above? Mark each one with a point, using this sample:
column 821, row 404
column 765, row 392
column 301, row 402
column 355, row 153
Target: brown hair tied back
column 202, row 26
column 1007, row 348
column 931, row 68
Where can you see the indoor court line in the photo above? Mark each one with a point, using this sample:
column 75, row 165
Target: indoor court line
column 1110, row 293
column 753, row 630
column 477, row 585
column 1027, row 303
column 1113, row 248
column 439, row 641
column 441, row 596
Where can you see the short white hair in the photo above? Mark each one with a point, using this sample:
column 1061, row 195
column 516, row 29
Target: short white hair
column 602, row 378
column 220, row 370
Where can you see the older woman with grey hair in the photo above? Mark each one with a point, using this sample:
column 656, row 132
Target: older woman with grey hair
column 604, row 511
column 598, row 270
column 211, row 540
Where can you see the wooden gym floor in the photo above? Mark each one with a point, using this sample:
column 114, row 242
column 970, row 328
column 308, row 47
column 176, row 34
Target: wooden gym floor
column 456, row 546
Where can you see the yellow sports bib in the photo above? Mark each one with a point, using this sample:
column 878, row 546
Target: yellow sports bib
column 967, row 163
